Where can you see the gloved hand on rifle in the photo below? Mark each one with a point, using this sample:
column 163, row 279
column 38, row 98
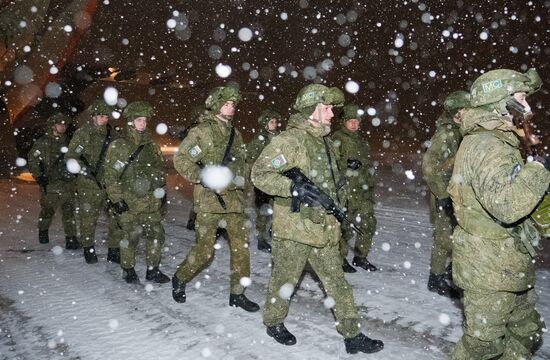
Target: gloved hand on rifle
column 354, row 164
column 42, row 180
column 308, row 194
column 120, row 207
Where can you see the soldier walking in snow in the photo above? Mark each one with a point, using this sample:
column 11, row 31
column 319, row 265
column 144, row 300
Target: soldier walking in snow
column 135, row 180
column 494, row 191
column 437, row 168
column 303, row 230
column 89, row 147
column 215, row 146
column 47, row 164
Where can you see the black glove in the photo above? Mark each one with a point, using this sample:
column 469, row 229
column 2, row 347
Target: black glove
column 354, row 164
column 42, row 180
column 120, row 207
column 445, row 205
column 544, row 160
column 308, row 194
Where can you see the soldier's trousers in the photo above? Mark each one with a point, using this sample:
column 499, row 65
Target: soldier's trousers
column 263, row 204
column 135, row 225
column 289, row 260
column 202, row 252
column 499, row 325
column 50, row 201
column 442, row 238
column 91, row 203
column 363, row 244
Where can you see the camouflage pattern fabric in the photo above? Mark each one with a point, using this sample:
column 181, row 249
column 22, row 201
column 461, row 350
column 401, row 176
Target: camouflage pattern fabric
column 60, row 188
column 541, row 216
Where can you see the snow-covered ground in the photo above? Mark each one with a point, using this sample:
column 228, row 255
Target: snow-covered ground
column 54, row 306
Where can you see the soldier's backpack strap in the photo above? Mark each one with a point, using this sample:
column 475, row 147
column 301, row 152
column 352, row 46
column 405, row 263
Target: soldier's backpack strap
column 131, row 159
column 106, row 143
column 337, row 185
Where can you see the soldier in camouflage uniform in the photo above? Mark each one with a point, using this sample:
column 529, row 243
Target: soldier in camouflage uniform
column 541, row 215
column 311, row 234
column 437, row 168
column 493, row 192
column 57, row 185
column 355, row 162
column 135, row 181
column 89, row 146
column 270, row 124
column 205, row 147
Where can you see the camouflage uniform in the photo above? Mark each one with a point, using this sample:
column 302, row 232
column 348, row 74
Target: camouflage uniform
column 493, row 191
column 57, row 185
column 87, row 145
column 310, row 235
column 205, row 146
column 437, row 168
column 541, row 216
column 356, row 163
column 263, row 202
column 136, row 190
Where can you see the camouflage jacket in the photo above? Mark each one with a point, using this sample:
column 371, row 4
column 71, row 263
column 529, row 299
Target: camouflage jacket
column 47, row 158
column 205, row 144
column 135, row 183
column 301, row 146
column 255, row 147
column 360, row 181
column 493, row 192
column 438, row 161
column 85, row 147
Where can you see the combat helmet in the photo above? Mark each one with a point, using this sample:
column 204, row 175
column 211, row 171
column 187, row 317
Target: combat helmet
column 219, row 96
column 350, row 111
column 492, row 89
column 99, row 107
column 58, row 118
column 137, row 109
column 455, row 101
column 267, row 115
column 314, row 94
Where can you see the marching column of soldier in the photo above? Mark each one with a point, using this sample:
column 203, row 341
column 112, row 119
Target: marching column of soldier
column 487, row 175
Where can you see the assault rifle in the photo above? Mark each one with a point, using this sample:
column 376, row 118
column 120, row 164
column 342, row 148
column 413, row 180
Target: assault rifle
column 297, row 177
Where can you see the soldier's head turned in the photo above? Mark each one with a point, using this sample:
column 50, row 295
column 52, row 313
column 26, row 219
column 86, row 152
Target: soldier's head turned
column 100, row 112
column 223, row 101
column 137, row 114
column 351, row 117
column 270, row 120
column 495, row 88
column 317, row 102
column 58, row 123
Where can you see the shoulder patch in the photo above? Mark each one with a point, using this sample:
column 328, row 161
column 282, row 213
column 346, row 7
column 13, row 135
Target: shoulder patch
column 36, row 153
column 79, row 149
column 491, row 85
column 278, row 161
column 515, row 171
column 195, row 151
column 119, row 165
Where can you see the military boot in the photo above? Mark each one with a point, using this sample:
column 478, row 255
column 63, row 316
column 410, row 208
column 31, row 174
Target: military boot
column 156, row 275
column 264, row 246
column 281, row 334
column 71, row 243
column 347, row 267
column 243, row 302
column 362, row 262
column 362, row 343
column 438, row 284
column 113, row 255
column 43, row 236
column 130, row 276
column 178, row 290
column 90, row 255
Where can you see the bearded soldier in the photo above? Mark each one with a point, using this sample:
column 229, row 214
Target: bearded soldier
column 270, row 126
column 89, row 147
column 437, row 168
column 493, row 192
column 355, row 162
column 47, row 164
column 135, row 182
column 303, row 230
column 215, row 145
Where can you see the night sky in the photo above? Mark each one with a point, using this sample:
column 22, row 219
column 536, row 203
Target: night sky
column 404, row 55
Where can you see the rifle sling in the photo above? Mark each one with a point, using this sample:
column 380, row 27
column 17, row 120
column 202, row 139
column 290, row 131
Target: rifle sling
column 131, row 159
